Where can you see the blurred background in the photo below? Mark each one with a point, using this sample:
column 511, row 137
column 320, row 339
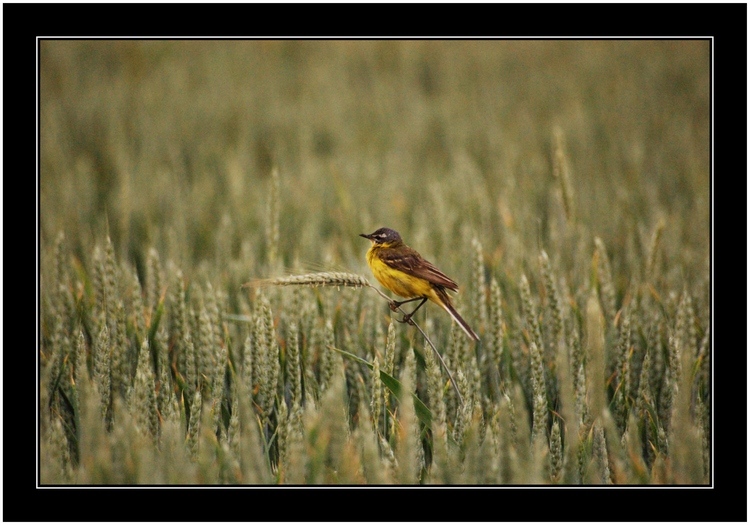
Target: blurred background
column 543, row 173
column 171, row 144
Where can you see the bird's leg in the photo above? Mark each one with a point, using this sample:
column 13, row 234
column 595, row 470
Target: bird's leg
column 407, row 317
column 394, row 305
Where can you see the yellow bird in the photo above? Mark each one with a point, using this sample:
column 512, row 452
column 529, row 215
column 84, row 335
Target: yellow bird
column 404, row 272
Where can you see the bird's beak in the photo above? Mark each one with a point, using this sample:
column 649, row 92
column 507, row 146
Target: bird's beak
column 364, row 235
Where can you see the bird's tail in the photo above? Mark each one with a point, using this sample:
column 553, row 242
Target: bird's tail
column 445, row 302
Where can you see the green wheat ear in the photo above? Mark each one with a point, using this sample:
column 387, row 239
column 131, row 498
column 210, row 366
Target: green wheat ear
column 554, row 302
column 530, row 313
column 436, row 388
column 497, row 329
column 595, row 372
column 650, row 274
column 144, row 402
column 540, row 415
column 606, row 286
column 196, row 407
column 154, row 278
column 622, row 372
column 556, row 453
column 479, row 297
column 561, row 172
column 102, row 372
column 294, row 365
column 273, row 217
column 376, row 393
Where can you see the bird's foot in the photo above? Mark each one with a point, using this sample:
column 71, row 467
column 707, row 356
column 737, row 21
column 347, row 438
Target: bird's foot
column 406, row 319
column 393, row 306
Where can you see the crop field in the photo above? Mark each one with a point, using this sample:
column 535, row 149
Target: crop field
column 207, row 315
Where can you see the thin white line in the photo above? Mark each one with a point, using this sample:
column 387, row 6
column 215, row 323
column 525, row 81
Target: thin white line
column 38, row 291
column 376, row 37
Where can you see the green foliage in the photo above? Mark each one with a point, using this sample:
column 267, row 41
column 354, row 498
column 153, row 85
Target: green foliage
column 563, row 184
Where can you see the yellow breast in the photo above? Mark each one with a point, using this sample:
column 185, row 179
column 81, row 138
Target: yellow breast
column 397, row 281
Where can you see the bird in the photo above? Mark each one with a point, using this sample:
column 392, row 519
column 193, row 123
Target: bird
column 407, row 274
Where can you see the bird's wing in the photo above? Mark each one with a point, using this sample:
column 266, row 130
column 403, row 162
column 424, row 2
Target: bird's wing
column 409, row 261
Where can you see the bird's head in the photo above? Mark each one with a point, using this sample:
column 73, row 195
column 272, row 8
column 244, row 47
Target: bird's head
column 383, row 236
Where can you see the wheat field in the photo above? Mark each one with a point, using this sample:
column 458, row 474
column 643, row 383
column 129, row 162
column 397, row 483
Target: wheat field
column 207, row 315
